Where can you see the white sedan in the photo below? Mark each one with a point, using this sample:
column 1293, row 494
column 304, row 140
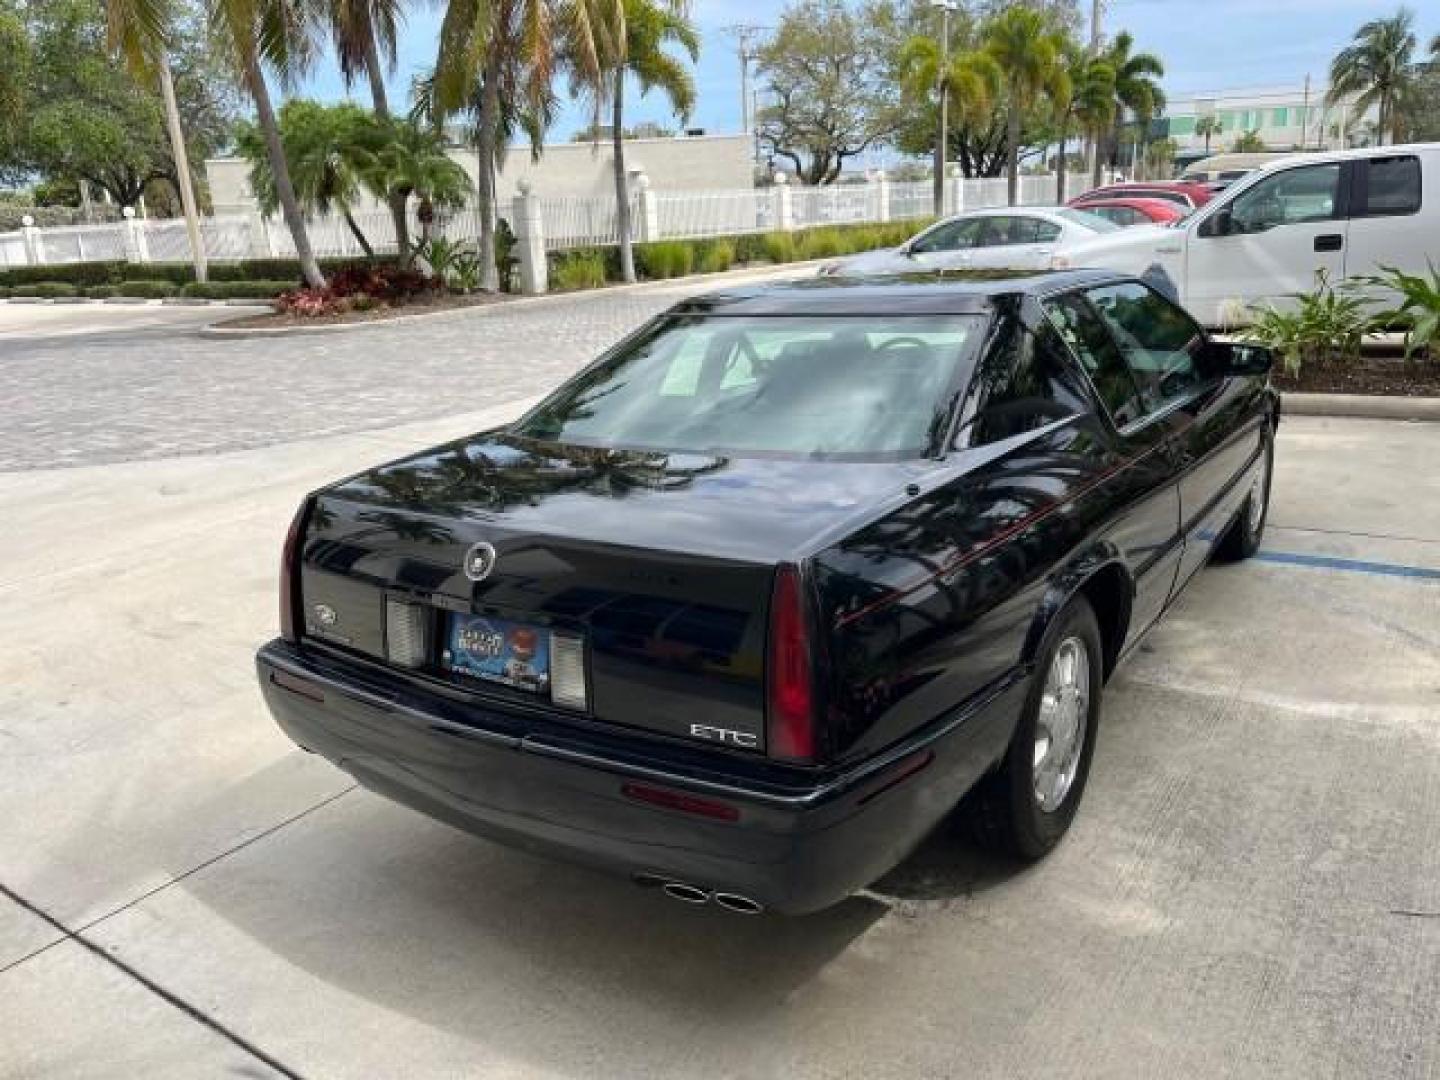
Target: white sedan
column 1005, row 238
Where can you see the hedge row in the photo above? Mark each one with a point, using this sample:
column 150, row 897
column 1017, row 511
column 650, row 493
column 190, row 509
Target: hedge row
column 586, row 268
column 579, row 268
column 116, row 272
column 154, row 290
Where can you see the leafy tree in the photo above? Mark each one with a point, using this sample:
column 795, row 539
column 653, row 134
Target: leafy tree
column 650, row 26
column 1158, row 158
column 1085, row 97
column 486, row 46
column 1376, row 67
column 412, row 160
column 1209, row 127
column 1136, row 89
column 364, row 33
column 14, row 76
column 969, row 82
column 1025, row 44
column 830, row 98
column 89, row 119
column 1249, row 142
column 331, row 150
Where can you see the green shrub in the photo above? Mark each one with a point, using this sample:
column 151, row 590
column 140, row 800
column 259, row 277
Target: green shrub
column 713, row 256
column 236, row 290
column 1321, row 328
column 102, row 292
column 822, row 244
column 45, row 289
column 92, row 273
column 147, row 290
column 1417, row 314
column 4, row 291
column 778, row 247
column 582, row 268
column 666, row 259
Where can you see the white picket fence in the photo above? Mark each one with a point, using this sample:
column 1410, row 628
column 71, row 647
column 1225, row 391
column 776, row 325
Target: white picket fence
column 564, row 221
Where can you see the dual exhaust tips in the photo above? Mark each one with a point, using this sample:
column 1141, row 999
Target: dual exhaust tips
column 694, row 894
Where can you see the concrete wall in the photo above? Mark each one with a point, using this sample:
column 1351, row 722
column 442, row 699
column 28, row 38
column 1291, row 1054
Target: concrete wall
column 696, row 163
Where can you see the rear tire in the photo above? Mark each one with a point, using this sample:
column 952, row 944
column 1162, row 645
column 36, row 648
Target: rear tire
column 1027, row 804
column 1243, row 537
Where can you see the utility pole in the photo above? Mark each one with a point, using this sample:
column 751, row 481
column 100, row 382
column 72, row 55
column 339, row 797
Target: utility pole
column 1305, row 117
column 745, row 34
column 942, row 87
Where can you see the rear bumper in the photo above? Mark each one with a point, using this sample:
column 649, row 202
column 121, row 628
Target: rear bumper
column 794, row 849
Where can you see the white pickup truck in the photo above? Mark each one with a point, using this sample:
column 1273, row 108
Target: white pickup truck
column 1346, row 213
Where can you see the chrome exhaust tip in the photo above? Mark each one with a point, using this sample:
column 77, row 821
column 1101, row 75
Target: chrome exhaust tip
column 740, row 905
column 687, row 894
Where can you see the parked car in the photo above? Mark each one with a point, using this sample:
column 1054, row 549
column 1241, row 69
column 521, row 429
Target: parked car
column 1126, row 211
column 1181, row 192
column 1010, row 238
column 1343, row 212
column 747, row 606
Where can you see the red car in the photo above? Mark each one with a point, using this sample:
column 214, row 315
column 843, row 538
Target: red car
column 1182, row 192
column 1134, row 211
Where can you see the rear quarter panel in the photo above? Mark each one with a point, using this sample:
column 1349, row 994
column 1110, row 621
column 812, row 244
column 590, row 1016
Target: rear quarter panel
column 933, row 604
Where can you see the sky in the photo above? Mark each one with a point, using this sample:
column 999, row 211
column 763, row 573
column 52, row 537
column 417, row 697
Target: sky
column 1206, row 45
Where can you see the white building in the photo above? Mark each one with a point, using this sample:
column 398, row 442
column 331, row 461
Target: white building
column 680, row 163
column 1285, row 117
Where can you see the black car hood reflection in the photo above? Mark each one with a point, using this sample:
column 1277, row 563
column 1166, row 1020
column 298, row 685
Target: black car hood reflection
column 737, row 507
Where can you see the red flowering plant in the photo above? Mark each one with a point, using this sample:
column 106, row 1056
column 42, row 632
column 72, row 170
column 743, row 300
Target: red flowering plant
column 359, row 287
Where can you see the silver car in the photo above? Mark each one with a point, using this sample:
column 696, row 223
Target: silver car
column 1003, row 238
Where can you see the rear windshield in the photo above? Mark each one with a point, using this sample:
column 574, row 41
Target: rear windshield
column 1089, row 220
column 858, row 387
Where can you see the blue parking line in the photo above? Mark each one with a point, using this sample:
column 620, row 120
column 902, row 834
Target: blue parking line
column 1355, row 566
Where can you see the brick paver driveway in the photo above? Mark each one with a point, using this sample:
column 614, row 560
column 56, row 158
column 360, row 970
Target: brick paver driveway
column 146, row 390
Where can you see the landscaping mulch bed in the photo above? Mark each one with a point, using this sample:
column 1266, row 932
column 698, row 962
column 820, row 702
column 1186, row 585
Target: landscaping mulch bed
column 379, row 313
column 1389, row 378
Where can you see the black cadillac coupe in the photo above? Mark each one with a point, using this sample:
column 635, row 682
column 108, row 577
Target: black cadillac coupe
column 749, row 604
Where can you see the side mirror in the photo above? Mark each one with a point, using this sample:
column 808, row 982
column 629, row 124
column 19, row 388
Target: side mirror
column 1220, row 223
column 1236, row 358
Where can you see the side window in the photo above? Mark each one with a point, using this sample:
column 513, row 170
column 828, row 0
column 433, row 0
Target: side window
column 1159, row 342
column 950, row 236
column 1310, row 193
column 1390, row 187
column 1079, row 326
column 1024, row 381
column 1046, row 232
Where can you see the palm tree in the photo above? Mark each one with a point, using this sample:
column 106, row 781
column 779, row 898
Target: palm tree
column 1025, row 45
column 331, row 151
column 970, row 83
column 364, row 33
column 412, row 160
column 650, row 25
column 1209, row 127
column 484, row 44
column 139, row 32
column 280, row 35
column 1376, row 68
column 1089, row 98
column 1136, row 89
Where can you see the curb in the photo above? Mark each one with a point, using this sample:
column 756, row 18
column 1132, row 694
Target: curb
column 134, row 301
column 220, row 330
column 1367, row 406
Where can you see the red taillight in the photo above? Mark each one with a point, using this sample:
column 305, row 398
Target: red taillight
column 790, row 711
column 289, row 571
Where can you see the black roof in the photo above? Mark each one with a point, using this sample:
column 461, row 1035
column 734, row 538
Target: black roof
column 936, row 292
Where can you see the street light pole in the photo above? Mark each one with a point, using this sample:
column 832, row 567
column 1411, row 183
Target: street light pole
column 942, row 79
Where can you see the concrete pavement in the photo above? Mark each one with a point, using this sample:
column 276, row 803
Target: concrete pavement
column 1249, row 890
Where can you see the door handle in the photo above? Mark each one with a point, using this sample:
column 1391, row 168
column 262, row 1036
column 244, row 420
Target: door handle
column 1329, row 242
